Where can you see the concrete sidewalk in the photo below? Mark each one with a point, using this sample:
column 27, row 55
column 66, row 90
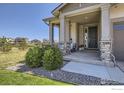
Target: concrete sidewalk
column 121, row 65
column 103, row 72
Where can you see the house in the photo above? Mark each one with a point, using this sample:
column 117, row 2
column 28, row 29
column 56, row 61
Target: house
column 35, row 41
column 92, row 26
column 45, row 41
column 20, row 39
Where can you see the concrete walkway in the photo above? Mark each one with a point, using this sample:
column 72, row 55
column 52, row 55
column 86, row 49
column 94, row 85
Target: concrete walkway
column 121, row 65
column 101, row 71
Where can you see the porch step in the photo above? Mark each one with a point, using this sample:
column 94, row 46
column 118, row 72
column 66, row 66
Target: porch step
column 67, row 60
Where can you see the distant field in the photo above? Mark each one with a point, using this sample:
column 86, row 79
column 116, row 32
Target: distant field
column 11, row 58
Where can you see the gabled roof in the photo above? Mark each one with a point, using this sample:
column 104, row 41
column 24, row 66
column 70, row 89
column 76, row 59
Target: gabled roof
column 54, row 12
column 58, row 8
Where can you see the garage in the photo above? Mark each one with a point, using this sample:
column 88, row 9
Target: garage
column 118, row 36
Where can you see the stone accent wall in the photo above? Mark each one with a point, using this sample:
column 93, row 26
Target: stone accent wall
column 105, row 49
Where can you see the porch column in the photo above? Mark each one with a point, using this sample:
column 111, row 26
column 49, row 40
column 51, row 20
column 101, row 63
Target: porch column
column 59, row 32
column 67, row 32
column 105, row 43
column 62, row 29
column 51, row 36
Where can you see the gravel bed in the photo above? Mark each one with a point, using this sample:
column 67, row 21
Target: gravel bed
column 60, row 75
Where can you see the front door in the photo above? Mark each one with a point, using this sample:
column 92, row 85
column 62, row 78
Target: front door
column 92, row 37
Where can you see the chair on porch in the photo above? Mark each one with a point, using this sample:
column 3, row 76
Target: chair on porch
column 67, row 48
column 61, row 46
column 64, row 47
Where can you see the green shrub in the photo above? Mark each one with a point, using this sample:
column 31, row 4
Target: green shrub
column 52, row 59
column 34, row 57
column 46, row 47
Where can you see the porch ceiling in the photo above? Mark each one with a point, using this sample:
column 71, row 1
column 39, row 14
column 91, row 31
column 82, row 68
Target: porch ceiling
column 86, row 18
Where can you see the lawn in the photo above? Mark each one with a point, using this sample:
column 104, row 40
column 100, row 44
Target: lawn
column 17, row 78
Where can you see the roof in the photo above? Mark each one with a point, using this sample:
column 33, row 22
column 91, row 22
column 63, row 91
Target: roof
column 47, row 20
column 54, row 12
column 58, row 8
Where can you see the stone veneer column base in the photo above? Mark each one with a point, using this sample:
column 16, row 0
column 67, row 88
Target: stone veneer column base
column 105, row 52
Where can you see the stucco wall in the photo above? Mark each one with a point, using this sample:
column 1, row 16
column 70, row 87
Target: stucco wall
column 117, row 11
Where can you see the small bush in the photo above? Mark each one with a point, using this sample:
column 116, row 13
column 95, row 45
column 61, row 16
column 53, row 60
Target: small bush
column 34, row 57
column 52, row 59
column 46, row 47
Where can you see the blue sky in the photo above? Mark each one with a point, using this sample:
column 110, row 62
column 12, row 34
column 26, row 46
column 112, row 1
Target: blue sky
column 25, row 20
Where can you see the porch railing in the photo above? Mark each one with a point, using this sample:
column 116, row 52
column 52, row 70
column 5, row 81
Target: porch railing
column 113, row 59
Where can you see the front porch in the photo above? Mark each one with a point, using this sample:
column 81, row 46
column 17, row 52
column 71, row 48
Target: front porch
column 85, row 56
column 89, row 28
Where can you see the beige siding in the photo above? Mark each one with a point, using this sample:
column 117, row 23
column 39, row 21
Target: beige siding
column 117, row 11
column 75, row 6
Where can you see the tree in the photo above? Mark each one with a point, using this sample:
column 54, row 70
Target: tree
column 4, row 45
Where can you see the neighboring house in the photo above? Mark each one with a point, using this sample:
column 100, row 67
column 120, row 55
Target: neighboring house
column 92, row 26
column 20, row 39
column 45, row 41
column 35, row 41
